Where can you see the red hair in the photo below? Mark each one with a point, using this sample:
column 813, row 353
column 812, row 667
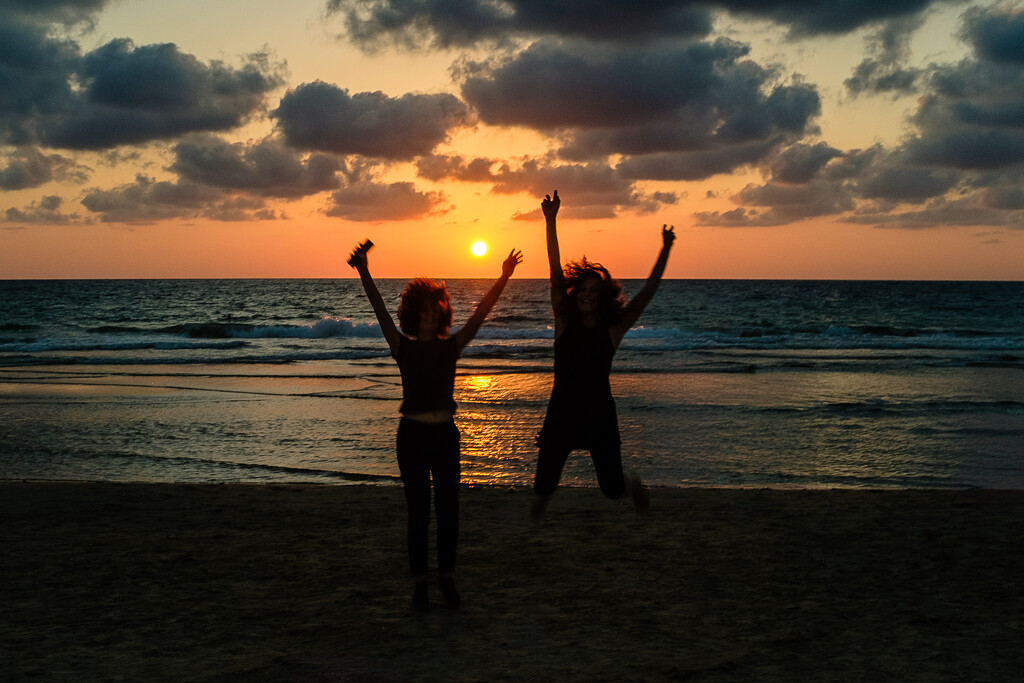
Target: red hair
column 422, row 292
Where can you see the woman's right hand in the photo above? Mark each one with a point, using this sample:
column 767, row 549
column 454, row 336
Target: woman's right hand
column 357, row 259
column 550, row 206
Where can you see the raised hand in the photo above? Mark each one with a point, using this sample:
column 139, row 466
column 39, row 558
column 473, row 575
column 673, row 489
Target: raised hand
column 550, row 206
column 357, row 258
column 513, row 260
column 668, row 235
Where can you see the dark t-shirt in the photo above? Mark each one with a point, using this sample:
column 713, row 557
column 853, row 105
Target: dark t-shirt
column 428, row 374
column 581, row 411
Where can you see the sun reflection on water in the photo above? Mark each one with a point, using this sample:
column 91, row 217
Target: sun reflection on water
column 498, row 444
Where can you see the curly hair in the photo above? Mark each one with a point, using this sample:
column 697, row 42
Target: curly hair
column 422, row 292
column 611, row 301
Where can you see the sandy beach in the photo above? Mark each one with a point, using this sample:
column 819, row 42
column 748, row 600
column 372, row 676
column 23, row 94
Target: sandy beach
column 225, row 582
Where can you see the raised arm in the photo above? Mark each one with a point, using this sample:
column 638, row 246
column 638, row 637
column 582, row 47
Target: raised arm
column 639, row 302
column 550, row 208
column 466, row 334
column 359, row 261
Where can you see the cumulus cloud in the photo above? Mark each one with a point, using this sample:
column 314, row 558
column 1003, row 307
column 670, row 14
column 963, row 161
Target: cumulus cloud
column 831, row 17
column 437, row 167
column 780, row 204
column 59, row 11
column 941, row 213
column 996, row 33
column 696, row 165
column 971, row 118
column 324, row 117
column 265, row 168
column 677, row 112
column 29, row 167
column 119, row 93
column 34, row 78
column 800, row 162
column 154, row 92
column 554, row 85
column 886, row 70
column 624, row 92
column 47, row 211
column 369, row 201
column 372, row 24
column 148, row 200
column 422, row 24
column 961, row 163
column 597, row 190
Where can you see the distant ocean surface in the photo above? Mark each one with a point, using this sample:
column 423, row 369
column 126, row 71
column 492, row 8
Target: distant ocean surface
column 804, row 384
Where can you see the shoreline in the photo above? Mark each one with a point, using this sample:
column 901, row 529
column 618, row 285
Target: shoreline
column 309, row 582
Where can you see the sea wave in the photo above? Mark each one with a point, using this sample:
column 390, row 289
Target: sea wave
column 324, row 328
column 748, row 348
column 668, row 338
column 823, row 338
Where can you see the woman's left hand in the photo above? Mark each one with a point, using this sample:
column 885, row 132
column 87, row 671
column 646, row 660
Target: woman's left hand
column 668, row 235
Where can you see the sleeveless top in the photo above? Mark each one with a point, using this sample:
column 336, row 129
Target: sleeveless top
column 428, row 374
column 581, row 411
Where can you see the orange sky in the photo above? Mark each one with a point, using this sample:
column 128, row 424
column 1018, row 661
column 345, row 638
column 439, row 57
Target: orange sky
column 785, row 144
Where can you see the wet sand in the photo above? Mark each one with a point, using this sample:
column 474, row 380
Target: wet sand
column 225, row 582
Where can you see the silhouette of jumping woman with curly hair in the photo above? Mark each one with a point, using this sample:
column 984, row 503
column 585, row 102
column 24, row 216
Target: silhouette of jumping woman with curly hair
column 591, row 318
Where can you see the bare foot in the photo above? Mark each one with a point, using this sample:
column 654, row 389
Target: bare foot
column 639, row 493
column 538, row 506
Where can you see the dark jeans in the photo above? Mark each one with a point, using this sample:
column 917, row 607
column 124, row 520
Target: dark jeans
column 425, row 451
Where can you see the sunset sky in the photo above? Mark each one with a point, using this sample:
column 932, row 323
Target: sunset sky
column 254, row 138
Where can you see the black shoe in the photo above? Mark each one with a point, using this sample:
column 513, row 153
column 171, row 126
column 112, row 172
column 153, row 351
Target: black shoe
column 420, row 601
column 447, row 586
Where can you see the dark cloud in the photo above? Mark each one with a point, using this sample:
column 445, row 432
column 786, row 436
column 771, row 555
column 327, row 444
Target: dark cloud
column 58, row 11
column 324, row 117
column 29, row 167
column 821, row 181
column 800, row 162
column 678, row 113
column 695, row 165
column 550, row 86
column 824, row 17
column 370, row 201
column 941, row 213
column 886, row 70
column 874, row 77
column 903, row 183
column 780, row 204
column 437, row 167
column 418, row 24
column 265, row 168
column 122, row 94
column 971, row 118
column 588, row 184
column 149, row 200
column 35, row 70
column 597, row 190
column 154, row 92
column 422, row 24
column 996, row 33
column 47, row 211
column 1006, row 197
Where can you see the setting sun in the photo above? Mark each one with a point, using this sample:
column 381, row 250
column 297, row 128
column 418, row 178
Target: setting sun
column 479, row 249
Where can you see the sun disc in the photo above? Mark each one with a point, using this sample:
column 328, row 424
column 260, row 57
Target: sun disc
column 479, row 248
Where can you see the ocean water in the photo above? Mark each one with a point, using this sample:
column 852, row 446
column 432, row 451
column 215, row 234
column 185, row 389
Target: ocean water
column 803, row 384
